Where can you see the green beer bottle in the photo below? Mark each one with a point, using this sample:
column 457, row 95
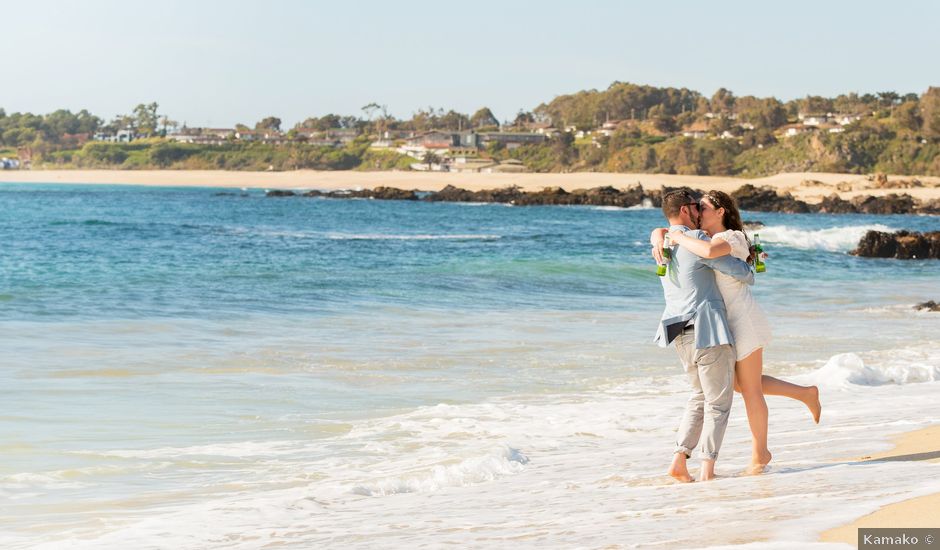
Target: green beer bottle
column 759, row 265
column 661, row 269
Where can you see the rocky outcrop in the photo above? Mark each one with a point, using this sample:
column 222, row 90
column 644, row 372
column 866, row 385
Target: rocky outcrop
column 931, row 207
column 598, row 196
column 749, row 197
column 393, row 194
column 928, row 306
column 834, row 204
column 903, row 245
column 452, row 194
column 889, row 204
column 766, row 199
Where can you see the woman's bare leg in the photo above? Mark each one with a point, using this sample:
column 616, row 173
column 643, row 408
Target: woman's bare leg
column 748, row 378
column 808, row 395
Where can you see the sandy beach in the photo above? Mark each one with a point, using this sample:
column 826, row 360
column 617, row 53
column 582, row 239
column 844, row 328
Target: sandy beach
column 914, row 447
column 807, row 186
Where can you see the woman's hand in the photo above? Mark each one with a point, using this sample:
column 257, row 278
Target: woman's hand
column 676, row 234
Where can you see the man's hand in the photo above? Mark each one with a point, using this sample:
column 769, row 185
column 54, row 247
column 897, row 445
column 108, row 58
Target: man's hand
column 656, row 241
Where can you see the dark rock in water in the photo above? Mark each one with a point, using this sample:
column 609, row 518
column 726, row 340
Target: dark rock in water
column 393, row 194
column 752, row 224
column 929, row 207
column 452, row 194
column 903, row 245
column 598, row 196
column 548, row 195
column 766, row 199
column 313, row 193
column 834, row 204
column 352, row 194
column 509, row 195
column 889, row 204
column 280, row 193
column 928, row 306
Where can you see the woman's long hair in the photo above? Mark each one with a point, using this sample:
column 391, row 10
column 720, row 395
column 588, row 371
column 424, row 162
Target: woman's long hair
column 732, row 217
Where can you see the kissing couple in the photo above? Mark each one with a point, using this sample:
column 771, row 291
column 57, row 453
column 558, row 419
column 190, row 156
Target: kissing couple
column 717, row 327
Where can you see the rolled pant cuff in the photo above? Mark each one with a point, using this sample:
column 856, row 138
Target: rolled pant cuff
column 708, row 456
column 684, row 450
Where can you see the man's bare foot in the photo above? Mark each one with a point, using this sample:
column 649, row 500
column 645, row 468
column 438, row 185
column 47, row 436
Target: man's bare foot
column 759, row 463
column 707, row 471
column 679, row 470
column 812, row 401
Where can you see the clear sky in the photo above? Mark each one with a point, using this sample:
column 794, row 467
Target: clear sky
column 209, row 62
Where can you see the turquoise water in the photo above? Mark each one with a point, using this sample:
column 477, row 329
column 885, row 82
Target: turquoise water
column 140, row 320
column 131, row 278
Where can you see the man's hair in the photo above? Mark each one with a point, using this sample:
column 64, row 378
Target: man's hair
column 673, row 201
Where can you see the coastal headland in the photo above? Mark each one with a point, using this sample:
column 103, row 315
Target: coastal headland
column 810, row 187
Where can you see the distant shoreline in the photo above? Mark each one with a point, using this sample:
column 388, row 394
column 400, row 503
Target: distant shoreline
column 810, row 187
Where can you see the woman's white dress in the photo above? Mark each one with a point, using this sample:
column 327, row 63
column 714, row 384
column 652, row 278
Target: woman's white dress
column 747, row 320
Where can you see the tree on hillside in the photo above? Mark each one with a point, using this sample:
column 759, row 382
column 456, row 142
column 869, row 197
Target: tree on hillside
column 269, row 123
column 523, row 118
column 452, row 120
column 907, row 116
column 122, row 122
column 930, row 112
column 849, row 103
column 166, row 123
column 814, row 104
column 370, row 110
column 431, row 158
column 662, row 121
column 323, row 123
column 762, row 113
column 483, row 118
column 146, row 118
column 888, row 99
column 722, row 101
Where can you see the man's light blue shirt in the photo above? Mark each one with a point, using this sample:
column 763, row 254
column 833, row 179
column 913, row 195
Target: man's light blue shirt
column 692, row 296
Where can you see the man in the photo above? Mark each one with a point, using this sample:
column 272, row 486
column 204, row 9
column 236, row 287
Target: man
column 695, row 320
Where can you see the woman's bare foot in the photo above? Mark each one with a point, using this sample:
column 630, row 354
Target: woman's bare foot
column 759, row 463
column 679, row 470
column 812, row 401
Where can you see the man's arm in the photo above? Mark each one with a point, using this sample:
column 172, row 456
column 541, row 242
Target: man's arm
column 729, row 265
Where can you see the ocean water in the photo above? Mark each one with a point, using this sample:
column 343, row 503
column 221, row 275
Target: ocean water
column 205, row 368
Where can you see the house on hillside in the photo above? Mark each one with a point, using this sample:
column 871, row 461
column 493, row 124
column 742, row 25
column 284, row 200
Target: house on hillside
column 121, row 136
column 696, row 130
column 220, row 133
column 343, row 135
column 721, row 115
column 813, row 120
column 843, row 119
column 510, row 140
column 791, row 130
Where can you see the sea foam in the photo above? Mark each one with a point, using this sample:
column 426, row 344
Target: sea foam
column 832, row 239
column 900, row 366
column 503, row 462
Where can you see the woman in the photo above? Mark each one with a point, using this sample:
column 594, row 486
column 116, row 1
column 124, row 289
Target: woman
column 720, row 219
